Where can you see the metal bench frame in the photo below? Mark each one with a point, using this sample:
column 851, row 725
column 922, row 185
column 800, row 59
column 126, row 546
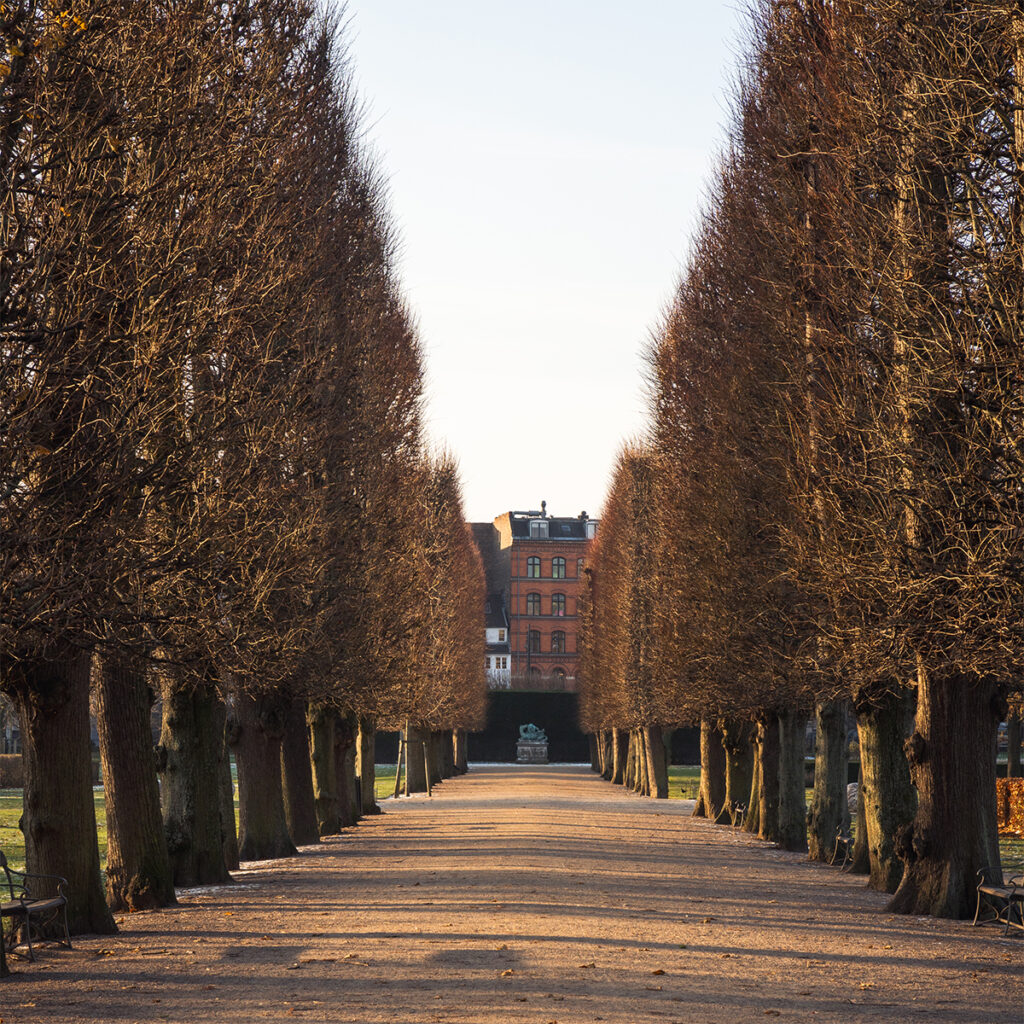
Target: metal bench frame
column 27, row 910
column 1002, row 904
column 843, row 849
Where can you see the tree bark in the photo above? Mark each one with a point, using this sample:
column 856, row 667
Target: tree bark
column 792, row 781
column 415, row 767
column 366, row 765
column 643, row 782
column 595, row 765
column 608, row 771
column 226, row 802
column 739, row 767
column 138, row 865
column 829, row 811
column 297, row 776
column 712, row 771
column 886, row 792
column 51, row 696
column 1013, row 746
column 620, row 756
column 190, row 755
column 768, row 780
column 657, row 763
column 461, row 753
column 263, row 826
column 752, row 821
column 346, row 734
column 325, row 773
column 952, row 756
column 629, row 779
column 860, row 864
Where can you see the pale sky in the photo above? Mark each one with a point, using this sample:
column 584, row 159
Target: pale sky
column 546, row 163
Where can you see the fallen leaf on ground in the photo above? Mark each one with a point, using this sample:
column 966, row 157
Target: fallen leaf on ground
column 583, row 967
column 507, row 973
column 657, row 971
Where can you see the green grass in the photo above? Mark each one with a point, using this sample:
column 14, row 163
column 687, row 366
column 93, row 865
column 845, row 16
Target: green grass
column 683, row 781
column 12, row 842
column 384, row 776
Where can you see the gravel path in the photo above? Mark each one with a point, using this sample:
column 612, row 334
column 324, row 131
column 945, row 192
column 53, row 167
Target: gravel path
column 530, row 895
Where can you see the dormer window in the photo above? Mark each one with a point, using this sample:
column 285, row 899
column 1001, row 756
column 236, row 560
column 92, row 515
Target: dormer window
column 501, row 636
column 538, row 528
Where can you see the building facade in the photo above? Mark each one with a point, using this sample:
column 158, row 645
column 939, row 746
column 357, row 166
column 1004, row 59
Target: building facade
column 535, row 563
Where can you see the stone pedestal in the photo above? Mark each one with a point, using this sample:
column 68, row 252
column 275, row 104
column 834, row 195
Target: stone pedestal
column 531, row 753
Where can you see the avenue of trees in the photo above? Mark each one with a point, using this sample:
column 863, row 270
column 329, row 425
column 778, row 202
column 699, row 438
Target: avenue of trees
column 214, row 487
column 826, row 517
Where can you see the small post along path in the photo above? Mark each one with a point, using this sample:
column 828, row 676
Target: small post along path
column 531, row 894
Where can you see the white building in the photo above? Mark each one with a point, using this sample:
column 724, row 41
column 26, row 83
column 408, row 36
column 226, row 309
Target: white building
column 498, row 658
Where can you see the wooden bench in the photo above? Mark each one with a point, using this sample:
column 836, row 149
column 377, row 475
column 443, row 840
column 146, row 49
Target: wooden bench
column 31, row 901
column 1000, row 903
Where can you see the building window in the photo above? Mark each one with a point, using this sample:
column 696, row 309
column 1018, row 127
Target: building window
column 487, row 662
column 558, row 642
column 558, row 604
column 533, row 604
column 501, row 636
column 538, row 528
column 504, row 662
column 534, row 641
column 558, row 568
column 535, row 676
column 533, row 567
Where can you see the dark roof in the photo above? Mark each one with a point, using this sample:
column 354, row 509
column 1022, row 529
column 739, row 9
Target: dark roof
column 558, row 528
column 494, row 612
column 497, row 648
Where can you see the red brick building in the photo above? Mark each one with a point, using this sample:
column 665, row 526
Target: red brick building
column 535, row 562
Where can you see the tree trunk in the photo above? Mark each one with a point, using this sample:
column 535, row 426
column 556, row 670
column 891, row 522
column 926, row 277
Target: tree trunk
column 739, row 767
column 629, row 779
column 657, row 763
column 792, row 781
column 860, row 863
column 952, row 756
column 138, row 865
column 643, row 784
column 190, row 755
column 595, row 761
column 608, row 754
column 415, row 766
column 51, row 696
column 263, row 826
column 886, row 793
column 768, row 781
column 325, row 773
column 297, row 776
column 366, row 765
column 712, row 771
column 829, row 811
column 620, row 756
column 346, row 734
column 461, row 754
column 228, row 825
column 752, row 821
column 1013, row 746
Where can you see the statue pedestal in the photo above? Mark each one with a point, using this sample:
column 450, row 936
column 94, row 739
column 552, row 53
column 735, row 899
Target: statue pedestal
column 531, row 753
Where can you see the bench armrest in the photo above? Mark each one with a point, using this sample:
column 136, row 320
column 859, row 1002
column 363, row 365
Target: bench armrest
column 26, row 891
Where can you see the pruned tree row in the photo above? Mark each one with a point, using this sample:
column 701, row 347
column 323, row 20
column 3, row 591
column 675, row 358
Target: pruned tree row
column 825, row 520
column 214, row 487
